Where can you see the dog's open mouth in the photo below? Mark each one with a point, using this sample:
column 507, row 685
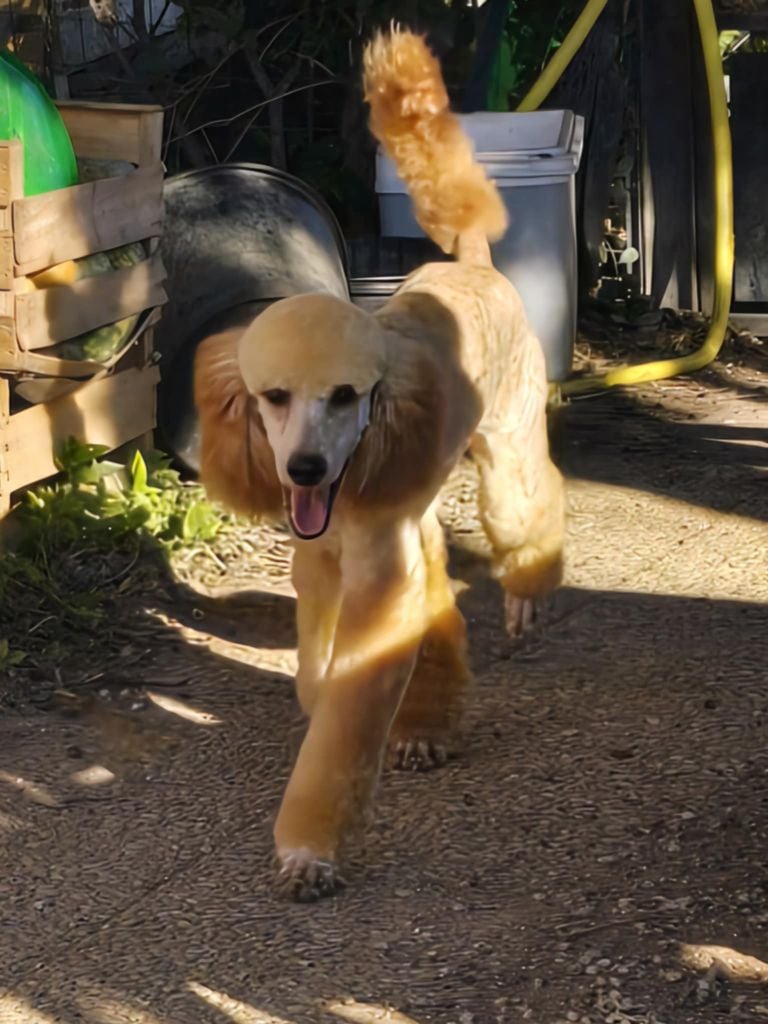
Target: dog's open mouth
column 309, row 508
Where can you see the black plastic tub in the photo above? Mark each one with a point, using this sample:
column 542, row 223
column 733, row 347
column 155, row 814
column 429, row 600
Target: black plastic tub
column 236, row 237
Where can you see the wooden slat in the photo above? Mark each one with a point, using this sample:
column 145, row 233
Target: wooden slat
column 16, row 360
column 114, row 131
column 749, row 128
column 5, row 405
column 8, row 348
column 667, row 165
column 11, row 177
column 11, row 187
column 109, row 412
column 745, row 21
column 51, row 315
column 594, row 86
column 74, row 222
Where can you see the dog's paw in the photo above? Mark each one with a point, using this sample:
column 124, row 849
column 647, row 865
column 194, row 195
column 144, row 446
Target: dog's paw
column 520, row 614
column 304, row 877
column 417, row 754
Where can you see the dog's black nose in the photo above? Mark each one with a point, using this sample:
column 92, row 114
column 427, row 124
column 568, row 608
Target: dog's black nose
column 307, row 470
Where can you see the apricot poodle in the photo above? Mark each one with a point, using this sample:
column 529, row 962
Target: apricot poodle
column 348, row 424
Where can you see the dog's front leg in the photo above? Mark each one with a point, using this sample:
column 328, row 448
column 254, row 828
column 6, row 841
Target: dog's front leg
column 381, row 624
column 316, row 576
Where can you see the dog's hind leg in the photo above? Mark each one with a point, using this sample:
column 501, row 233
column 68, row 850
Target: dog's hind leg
column 428, row 723
column 380, row 627
column 522, row 506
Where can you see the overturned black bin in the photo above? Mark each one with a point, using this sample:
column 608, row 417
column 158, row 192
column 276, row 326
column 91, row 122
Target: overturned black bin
column 236, row 237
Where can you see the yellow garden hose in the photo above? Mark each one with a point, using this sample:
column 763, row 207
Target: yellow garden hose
column 723, row 179
column 562, row 57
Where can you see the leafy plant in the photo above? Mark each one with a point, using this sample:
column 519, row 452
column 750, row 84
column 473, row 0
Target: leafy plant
column 79, row 543
column 99, row 501
column 9, row 656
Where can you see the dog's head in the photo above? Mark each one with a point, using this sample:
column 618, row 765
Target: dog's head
column 312, row 363
column 312, row 394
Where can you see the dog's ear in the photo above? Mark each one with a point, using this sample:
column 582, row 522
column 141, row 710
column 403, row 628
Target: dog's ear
column 399, row 456
column 237, row 466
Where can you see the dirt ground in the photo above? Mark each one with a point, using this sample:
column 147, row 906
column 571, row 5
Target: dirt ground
column 607, row 821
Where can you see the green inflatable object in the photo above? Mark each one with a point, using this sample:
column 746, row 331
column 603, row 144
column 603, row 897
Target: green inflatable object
column 27, row 113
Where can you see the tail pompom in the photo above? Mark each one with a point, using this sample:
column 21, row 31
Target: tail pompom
column 411, row 118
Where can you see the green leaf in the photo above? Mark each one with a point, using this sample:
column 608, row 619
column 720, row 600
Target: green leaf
column 200, row 522
column 138, row 474
column 74, row 453
column 9, row 656
column 94, row 472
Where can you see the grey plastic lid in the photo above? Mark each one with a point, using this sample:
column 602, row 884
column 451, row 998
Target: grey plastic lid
column 540, row 144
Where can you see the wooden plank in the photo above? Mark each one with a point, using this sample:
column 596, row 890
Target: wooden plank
column 150, row 138
column 742, row 21
column 50, row 315
column 594, row 86
column 114, row 131
column 8, row 348
column 667, row 164
column 6, row 261
column 14, row 360
column 17, row 360
column 11, row 178
column 5, row 477
column 144, row 350
column 11, row 188
column 109, row 412
column 74, row 222
column 754, row 322
column 749, row 129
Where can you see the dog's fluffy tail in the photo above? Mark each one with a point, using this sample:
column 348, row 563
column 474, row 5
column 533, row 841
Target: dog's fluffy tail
column 454, row 202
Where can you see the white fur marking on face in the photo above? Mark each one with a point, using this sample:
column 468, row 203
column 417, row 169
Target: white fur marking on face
column 314, row 427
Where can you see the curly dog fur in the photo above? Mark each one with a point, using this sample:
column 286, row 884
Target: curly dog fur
column 348, row 424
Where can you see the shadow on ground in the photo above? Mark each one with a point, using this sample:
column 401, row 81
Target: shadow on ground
column 611, row 802
column 617, row 437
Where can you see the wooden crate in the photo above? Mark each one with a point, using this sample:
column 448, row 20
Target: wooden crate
column 103, row 406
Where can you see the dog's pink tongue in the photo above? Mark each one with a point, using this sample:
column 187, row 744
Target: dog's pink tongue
column 309, row 507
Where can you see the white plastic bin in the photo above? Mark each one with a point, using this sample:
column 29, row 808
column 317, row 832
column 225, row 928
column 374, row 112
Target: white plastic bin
column 533, row 158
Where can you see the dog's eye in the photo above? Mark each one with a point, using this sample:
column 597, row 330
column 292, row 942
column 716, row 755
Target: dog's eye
column 344, row 394
column 277, row 396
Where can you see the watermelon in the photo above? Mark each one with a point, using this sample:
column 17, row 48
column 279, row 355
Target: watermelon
column 101, row 343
